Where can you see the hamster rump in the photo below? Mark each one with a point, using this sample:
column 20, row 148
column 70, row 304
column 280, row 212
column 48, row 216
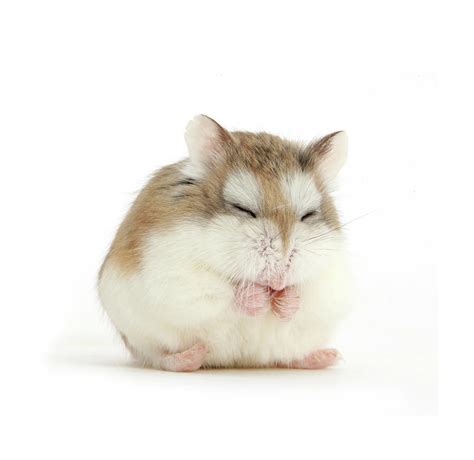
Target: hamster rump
column 233, row 257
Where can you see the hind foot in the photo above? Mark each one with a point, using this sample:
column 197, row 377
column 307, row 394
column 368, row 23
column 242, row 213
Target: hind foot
column 319, row 359
column 186, row 361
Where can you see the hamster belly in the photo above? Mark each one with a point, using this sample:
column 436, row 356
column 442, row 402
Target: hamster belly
column 172, row 303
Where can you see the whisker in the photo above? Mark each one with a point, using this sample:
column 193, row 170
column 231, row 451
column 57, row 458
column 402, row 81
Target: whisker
column 338, row 227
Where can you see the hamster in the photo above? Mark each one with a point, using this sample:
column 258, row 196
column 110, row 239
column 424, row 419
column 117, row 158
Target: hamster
column 233, row 257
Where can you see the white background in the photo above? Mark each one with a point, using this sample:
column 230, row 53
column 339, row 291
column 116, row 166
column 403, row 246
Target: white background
column 94, row 96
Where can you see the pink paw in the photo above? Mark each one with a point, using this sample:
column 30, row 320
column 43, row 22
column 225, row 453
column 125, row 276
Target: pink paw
column 186, row 361
column 252, row 299
column 320, row 359
column 285, row 303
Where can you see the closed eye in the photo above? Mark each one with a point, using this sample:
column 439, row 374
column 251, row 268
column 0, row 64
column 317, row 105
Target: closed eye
column 242, row 209
column 308, row 215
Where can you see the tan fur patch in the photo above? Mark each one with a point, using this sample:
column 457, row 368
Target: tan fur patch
column 169, row 197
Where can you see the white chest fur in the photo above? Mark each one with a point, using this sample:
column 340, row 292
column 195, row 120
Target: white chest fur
column 176, row 301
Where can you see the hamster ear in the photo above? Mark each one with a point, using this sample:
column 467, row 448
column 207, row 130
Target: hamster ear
column 205, row 139
column 329, row 154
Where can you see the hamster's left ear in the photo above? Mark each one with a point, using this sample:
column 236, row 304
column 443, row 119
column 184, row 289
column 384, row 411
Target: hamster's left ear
column 328, row 154
column 206, row 140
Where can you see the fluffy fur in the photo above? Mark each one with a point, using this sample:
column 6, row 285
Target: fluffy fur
column 233, row 257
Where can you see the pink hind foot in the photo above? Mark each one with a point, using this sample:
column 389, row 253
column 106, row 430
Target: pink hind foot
column 319, row 359
column 186, row 361
column 252, row 300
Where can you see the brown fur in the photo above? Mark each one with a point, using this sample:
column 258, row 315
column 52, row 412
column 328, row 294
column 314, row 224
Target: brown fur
column 170, row 197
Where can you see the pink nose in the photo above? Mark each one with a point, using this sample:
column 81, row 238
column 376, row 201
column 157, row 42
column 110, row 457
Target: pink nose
column 278, row 282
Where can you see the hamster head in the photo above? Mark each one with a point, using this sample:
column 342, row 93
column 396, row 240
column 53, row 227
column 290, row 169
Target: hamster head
column 267, row 212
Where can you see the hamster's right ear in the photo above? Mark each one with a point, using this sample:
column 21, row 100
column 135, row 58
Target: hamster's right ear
column 206, row 140
column 327, row 154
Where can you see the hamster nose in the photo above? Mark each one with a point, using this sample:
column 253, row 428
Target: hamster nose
column 278, row 281
column 291, row 255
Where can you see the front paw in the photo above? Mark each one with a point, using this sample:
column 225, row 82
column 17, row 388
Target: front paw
column 252, row 299
column 285, row 303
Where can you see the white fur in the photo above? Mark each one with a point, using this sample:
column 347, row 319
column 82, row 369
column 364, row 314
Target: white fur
column 193, row 170
column 182, row 296
column 301, row 192
column 243, row 189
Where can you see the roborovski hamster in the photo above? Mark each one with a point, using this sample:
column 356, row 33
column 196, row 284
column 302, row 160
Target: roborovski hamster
column 233, row 257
